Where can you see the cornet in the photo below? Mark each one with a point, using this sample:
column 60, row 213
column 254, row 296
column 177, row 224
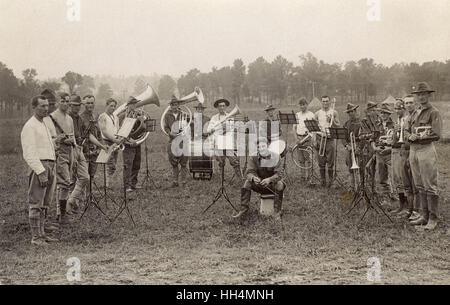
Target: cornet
column 423, row 131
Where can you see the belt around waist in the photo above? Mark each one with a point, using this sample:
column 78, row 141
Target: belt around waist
column 48, row 160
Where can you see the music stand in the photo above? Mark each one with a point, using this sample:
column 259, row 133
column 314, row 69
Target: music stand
column 91, row 199
column 221, row 192
column 337, row 133
column 251, row 129
column 124, row 205
column 150, row 127
column 287, row 119
column 363, row 194
column 312, row 126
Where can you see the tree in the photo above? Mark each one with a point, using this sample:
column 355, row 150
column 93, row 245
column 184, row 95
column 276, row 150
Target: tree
column 30, row 86
column 86, row 87
column 52, row 85
column 104, row 92
column 166, row 87
column 237, row 79
column 72, row 80
column 9, row 89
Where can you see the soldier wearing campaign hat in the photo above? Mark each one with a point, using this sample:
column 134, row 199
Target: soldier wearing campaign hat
column 224, row 139
column 422, row 156
column 353, row 125
column 178, row 163
column 383, row 157
column 266, row 128
column 81, row 174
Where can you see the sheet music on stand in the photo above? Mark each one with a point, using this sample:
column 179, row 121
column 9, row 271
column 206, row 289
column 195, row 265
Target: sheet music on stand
column 288, row 118
column 338, row 133
column 312, row 125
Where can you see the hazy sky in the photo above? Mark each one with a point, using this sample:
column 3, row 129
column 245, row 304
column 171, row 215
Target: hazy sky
column 123, row 37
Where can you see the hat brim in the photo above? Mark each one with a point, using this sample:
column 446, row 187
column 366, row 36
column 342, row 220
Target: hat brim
column 352, row 109
column 421, row 91
column 216, row 103
column 386, row 111
column 271, row 108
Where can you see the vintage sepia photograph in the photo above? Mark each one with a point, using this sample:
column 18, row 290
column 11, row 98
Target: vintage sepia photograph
column 224, row 142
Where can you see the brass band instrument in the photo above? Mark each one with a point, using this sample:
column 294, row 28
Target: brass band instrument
column 185, row 118
column 401, row 139
column 323, row 139
column 221, row 122
column 423, row 131
column 354, row 168
column 138, row 133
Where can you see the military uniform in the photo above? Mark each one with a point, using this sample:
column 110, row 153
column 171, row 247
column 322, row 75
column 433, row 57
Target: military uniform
column 65, row 158
column 408, row 182
column 423, row 160
column 80, row 172
column 383, row 162
column 169, row 120
column 90, row 150
column 302, row 132
column 326, row 162
column 262, row 168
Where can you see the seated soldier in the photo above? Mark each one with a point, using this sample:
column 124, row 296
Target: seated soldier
column 264, row 175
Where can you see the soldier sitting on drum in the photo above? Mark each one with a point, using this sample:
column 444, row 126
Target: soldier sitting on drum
column 265, row 176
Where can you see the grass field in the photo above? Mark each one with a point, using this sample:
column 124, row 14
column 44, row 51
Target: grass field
column 174, row 243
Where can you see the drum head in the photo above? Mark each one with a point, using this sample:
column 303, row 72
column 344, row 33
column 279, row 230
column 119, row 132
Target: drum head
column 278, row 147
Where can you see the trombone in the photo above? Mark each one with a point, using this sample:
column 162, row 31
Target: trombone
column 401, row 137
column 355, row 167
column 323, row 139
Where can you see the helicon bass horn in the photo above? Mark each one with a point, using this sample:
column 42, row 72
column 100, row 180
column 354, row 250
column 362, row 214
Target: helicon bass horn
column 185, row 117
column 139, row 131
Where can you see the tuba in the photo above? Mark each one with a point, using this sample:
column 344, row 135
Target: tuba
column 139, row 131
column 185, row 114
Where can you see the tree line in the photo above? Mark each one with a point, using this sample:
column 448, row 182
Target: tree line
column 260, row 82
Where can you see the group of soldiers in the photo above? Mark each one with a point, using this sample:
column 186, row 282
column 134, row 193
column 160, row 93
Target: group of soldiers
column 402, row 156
column 61, row 146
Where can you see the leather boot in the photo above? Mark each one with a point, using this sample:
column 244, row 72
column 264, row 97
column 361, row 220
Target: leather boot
column 245, row 200
column 402, row 203
column 42, row 230
column 278, row 202
column 175, row 172
column 183, row 173
column 423, row 219
column 330, row 177
column 35, row 227
column 323, row 177
column 433, row 201
column 63, row 218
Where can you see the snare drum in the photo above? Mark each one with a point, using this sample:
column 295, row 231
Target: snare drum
column 278, row 147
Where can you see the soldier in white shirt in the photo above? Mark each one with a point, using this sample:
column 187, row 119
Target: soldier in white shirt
column 302, row 132
column 224, row 140
column 327, row 117
column 109, row 126
column 39, row 153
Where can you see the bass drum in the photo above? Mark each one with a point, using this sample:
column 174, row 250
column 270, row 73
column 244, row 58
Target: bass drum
column 278, row 147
